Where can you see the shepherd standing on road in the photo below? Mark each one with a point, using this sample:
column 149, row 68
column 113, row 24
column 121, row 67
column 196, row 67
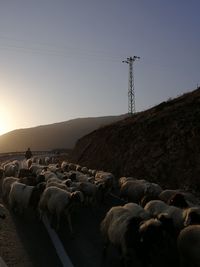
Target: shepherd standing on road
column 28, row 153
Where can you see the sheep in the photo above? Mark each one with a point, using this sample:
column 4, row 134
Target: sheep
column 80, row 177
column 84, row 170
column 78, row 168
column 36, row 195
column 54, row 167
column 157, row 207
column 64, row 166
column 6, row 186
column 188, row 244
column 178, row 198
column 103, row 176
column 11, row 169
column 53, row 179
column 120, row 227
column 47, row 160
column 180, row 217
column 59, row 185
column 89, row 190
column 72, row 167
column 21, row 196
column 29, row 163
column 58, row 202
column 23, row 172
column 105, row 182
column 62, row 175
column 132, row 190
column 36, row 169
column 71, row 175
column 48, row 175
column 158, row 243
column 135, row 190
column 124, row 179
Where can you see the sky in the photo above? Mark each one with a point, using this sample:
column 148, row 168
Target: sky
column 62, row 59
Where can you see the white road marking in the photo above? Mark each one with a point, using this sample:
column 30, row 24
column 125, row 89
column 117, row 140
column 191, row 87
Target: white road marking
column 57, row 244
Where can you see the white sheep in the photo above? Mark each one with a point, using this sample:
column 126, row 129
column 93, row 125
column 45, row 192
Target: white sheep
column 48, row 175
column 64, row 166
column 178, row 198
column 58, row 202
column 20, row 196
column 106, row 182
column 89, row 190
column 6, row 186
column 54, row 167
column 134, row 190
column 29, row 163
column 121, row 223
column 188, row 243
column 125, row 179
column 84, row 170
column 57, row 184
column 180, row 217
column 11, row 169
column 72, row 167
column 80, row 177
column 36, row 168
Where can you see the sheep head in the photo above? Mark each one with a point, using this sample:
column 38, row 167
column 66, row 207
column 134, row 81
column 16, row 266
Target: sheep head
column 178, row 200
column 77, row 196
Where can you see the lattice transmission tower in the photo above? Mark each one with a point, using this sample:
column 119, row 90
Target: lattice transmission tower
column 131, row 89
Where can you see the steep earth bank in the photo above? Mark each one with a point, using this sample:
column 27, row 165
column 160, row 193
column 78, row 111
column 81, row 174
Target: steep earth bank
column 161, row 144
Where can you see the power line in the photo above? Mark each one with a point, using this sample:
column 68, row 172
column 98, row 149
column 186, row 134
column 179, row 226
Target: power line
column 21, row 45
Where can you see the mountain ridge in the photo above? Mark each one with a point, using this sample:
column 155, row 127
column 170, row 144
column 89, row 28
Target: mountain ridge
column 57, row 135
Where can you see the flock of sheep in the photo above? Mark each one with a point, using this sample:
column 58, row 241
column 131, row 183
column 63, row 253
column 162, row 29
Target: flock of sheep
column 155, row 227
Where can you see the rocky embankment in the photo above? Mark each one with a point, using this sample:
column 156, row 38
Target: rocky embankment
column 161, row 144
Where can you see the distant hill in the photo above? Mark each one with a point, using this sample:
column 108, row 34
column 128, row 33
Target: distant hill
column 62, row 135
column 161, row 144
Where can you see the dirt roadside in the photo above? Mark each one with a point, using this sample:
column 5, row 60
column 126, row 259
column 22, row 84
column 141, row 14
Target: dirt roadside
column 11, row 248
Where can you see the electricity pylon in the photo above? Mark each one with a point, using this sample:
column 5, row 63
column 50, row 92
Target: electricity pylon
column 131, row 89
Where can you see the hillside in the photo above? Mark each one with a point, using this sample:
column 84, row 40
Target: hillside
column 161, row 144
column 53, row 136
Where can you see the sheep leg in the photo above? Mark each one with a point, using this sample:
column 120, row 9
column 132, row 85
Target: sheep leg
column 104, row 254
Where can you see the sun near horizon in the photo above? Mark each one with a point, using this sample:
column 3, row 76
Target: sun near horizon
column 4, row 123
column 3, row 127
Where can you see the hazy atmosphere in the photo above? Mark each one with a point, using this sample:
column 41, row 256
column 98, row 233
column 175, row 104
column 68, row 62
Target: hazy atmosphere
column 62, row 59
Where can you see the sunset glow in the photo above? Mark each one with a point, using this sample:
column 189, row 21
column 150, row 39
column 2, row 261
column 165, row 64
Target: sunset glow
column 5, row 125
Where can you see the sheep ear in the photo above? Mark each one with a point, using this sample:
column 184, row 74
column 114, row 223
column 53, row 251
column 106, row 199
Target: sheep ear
column 187, row 219
column 163, row 217
column 75, row 196
column 193, row 217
